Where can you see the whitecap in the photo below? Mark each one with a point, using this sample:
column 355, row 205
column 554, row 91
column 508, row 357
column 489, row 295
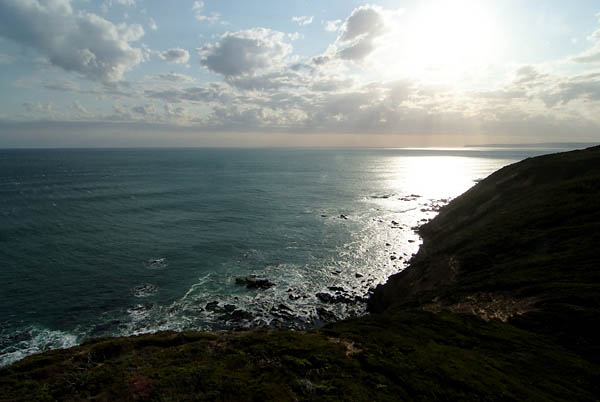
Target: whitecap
column 34, row 340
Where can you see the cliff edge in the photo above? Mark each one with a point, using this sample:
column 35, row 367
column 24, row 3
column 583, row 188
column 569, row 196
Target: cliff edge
column 500, row 304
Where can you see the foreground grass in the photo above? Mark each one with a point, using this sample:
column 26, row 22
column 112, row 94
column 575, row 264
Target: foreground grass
column 408, row 355
column 526, row 236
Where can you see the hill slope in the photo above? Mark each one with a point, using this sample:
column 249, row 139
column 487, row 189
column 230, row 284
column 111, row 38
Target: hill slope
column 519, row 250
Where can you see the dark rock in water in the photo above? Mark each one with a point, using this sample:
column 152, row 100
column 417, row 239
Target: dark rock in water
column 336, row 272
column 241, row 315
column 392, row 257
column 395, row 223
column 361, row 299
column 329, row 298
column 387, row 244
column 357, row 275
column 144, row 290
column 293, row 296
column 411, row 241
column 323, row 216
column 141, row 307
column 229, row 308
column 282, row 311
column 336, row 288
column 212, row 306
column 253, row 282
column 342, row 216
column 325, row 314
column 324, row 297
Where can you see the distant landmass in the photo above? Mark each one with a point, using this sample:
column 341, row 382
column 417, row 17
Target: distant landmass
column 499, row 304
column 560, row 145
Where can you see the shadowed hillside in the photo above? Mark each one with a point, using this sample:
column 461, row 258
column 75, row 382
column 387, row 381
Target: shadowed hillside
column 499, row 304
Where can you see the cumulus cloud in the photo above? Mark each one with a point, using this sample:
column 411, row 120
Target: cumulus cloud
column 176, row 55
column 245, row 52
column 303, row 20
column 359, row 31
column 80, row 42
column 152, row 24
column 332, row 26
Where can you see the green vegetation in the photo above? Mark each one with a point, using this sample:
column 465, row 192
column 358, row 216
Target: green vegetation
column 521, row 246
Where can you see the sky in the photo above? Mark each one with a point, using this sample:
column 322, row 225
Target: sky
column 403, row 73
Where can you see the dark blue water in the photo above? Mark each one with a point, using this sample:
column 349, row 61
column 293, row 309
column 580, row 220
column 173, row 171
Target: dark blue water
column 116, row 242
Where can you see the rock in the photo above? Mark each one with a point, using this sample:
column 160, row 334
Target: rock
column 144, row 290
column 323, row 216
column 241, row 315
column 253, row 282
column 387, row 244
column 329, row 298
column 411, row 241
column 229, row 308
column 294, row 296
column 336, row 288
column 357, row 275
column 342, row 216
column 212, row 306
column 392, row 257
column 283, row 311
column 325, row 314
column 395, row 223
column 324, row 297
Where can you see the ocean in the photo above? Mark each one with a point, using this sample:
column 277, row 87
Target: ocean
column 106, row 242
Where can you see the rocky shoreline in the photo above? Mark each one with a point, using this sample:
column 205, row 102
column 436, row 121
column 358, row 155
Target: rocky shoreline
column 498, row 305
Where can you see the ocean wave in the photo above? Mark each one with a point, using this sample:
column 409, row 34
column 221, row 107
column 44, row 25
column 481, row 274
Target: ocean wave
column 31, row 340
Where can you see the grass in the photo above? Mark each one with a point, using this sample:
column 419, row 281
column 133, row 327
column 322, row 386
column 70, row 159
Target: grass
column 528, row 231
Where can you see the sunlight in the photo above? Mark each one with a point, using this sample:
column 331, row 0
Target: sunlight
column 435, row 176
column 443, row 40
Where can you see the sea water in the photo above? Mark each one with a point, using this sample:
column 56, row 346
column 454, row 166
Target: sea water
column 105, row 242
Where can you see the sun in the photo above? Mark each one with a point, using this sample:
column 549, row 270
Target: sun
column 441, row 40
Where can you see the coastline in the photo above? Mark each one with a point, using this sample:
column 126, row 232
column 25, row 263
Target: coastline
column 524, row 234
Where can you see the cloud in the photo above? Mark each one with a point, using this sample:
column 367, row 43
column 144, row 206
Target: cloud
column 303, row 20
column 332, row 26
column 152, row 24
column 176, row 55
column 110, row 3
column 359, row 32
column 80, row 42
column 245, row 52
column 82, row 111
column 175, row 77
column 365, row 21
column 198, row 8
column 591, row 55
column 37, row 107
column 145, row 110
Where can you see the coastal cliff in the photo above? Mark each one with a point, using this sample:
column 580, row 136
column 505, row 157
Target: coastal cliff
column 499, row 304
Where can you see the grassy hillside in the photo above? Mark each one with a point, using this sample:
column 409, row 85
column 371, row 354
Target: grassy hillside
column 499, row 304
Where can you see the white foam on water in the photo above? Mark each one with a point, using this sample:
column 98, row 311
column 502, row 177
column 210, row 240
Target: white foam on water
column 36, row 340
